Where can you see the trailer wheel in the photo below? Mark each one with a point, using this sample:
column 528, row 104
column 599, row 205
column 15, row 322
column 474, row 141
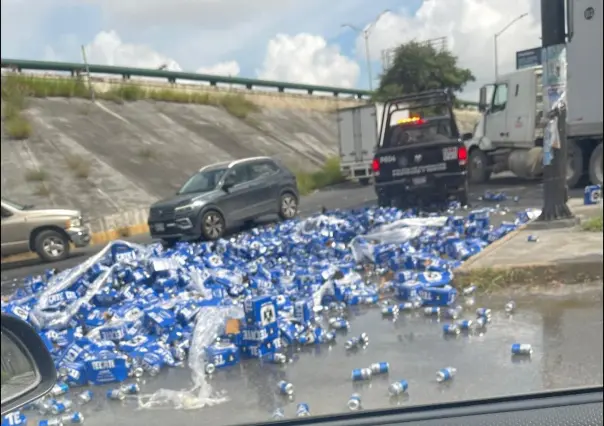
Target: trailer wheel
column 595, row 166
column 574, row 164
column 478, row 167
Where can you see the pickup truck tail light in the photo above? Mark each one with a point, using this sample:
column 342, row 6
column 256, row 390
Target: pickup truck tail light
column 375, row 165
column 462, row 155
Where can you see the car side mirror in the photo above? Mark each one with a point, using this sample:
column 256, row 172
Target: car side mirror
column 482, row 99
column 466, row 136
column 28, row 371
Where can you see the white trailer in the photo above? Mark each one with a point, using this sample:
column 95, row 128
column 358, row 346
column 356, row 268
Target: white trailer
column 358, row 136
column 509, row 134
column 358, row 129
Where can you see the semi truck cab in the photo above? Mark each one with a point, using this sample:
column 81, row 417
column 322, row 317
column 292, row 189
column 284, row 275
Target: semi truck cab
column 509, row 134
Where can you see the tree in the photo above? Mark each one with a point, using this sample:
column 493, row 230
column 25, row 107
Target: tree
column 418, row 67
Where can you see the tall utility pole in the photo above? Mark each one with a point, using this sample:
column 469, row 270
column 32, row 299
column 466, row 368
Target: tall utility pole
column 553, row 40
column 496, row 36
column 366, row 32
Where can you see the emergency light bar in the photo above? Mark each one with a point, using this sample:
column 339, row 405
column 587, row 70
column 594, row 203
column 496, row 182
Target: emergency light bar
column 411, row 120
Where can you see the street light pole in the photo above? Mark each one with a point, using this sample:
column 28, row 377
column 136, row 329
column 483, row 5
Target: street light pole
column 496, row 36
column 366, row 32
column 368, row 58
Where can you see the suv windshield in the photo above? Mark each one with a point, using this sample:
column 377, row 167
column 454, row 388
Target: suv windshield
column 203, row 181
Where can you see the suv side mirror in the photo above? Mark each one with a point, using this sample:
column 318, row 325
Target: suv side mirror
column 229, row 182
column 466, row 136
column 482, row 100
column 28, row 371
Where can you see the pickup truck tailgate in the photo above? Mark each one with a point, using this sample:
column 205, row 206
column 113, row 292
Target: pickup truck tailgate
column 419, row 160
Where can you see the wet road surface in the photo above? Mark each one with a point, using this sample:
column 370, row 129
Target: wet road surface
column 564, row 326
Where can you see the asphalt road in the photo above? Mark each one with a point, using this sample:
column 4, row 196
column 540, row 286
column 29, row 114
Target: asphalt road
column 563, row 325
column 347, row 195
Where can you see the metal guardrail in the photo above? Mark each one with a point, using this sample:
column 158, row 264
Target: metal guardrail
column 173, row 76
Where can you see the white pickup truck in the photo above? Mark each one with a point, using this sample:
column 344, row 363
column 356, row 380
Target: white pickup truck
column 509, row 135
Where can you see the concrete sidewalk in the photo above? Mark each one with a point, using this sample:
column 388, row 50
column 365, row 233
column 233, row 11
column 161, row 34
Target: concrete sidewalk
column 567, row 255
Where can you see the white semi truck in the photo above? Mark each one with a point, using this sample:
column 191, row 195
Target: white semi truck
column 509, row 134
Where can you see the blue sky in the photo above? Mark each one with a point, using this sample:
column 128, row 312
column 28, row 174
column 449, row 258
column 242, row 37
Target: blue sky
column 241, row 37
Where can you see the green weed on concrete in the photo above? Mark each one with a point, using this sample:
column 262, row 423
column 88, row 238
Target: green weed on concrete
column 593, row 224
column 329, row 174
column 16, row 124
column 31, row 86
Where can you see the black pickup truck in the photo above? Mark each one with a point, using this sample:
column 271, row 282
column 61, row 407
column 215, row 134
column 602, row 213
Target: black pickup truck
column 421, row 158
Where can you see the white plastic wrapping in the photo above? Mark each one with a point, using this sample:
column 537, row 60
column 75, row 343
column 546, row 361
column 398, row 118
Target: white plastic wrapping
column 400, row 231
column 60, row 282
column 208, row 325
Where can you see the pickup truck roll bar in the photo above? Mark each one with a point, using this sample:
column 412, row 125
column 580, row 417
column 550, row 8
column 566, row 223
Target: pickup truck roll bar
column 429, row 98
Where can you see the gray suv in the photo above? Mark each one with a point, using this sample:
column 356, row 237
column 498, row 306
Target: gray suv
column 222, row 195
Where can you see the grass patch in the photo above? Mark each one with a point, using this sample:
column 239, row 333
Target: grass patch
column 329, row 174
column 79, row 165
column 35, row 175
column 593, row 224
column 16, row 124
column 17, row 127
column 489, row 280
column 238, row 106
column 20, row 86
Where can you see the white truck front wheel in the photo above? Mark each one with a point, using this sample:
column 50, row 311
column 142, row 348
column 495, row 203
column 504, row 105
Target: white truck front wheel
column 595, row 166
column 478, row 167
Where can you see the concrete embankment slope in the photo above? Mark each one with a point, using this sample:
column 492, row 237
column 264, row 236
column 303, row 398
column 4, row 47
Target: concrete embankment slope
column 108, row 157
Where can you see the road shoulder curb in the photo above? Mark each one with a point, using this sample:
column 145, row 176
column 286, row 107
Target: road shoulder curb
column 467, row 265
column 566, row 272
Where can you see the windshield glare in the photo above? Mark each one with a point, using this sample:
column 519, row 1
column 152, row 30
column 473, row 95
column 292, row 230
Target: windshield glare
column 13, row 205
column 202, row 182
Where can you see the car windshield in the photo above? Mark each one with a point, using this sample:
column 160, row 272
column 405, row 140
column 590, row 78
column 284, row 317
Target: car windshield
column 203, row 181
column 14, row 205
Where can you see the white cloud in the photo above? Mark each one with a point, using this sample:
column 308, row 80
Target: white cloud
column 303, row 58
column 107, row 48
column 307, row 58
column 229, row 68
column 469, row 26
